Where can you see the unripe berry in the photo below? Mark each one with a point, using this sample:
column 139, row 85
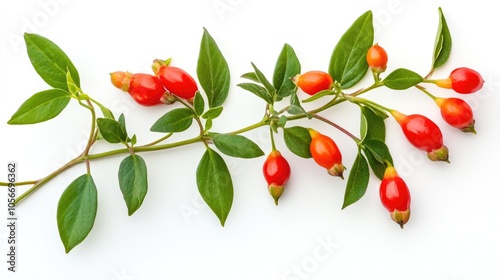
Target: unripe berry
column 145, row 89
column 376, row 57
column 423, row 134
column 462, row 80
column 276, row 172
column 457, row 113
column 395, row 196
column 326, row 153
column 313, row 82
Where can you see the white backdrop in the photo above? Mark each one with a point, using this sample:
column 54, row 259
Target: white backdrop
column 454, row 228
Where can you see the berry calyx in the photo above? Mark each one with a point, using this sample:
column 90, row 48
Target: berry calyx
column 457, row 113
column 313, row 82
column 395, row 196
column 177, row 81
column 145, row 89
column 462, row 80
column 276, row 173
column 423, row 134
column 376, row 57
column 326, row 153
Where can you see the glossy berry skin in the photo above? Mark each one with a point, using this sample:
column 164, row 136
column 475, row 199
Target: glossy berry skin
column 276, row 172
column 463, row 80
column 145, row 89
column 423, row 134
column 395, row 196
column 457, row 113
column 313, row 82
column 376, row 57
column 326, row 153
column 178, row 82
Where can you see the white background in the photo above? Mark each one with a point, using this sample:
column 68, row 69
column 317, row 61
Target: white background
column 455, row 224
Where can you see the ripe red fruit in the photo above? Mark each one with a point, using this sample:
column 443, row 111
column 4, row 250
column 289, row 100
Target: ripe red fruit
column 326, row 153
column 313, row 82
column 457, row 113
column 145, row 89
column 276, row 172
column 376, row 57
column 177, row 81
column 395, row 196
column 423, row 134
column 462, row 80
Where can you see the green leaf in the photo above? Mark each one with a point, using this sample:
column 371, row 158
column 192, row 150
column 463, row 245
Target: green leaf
column 72, row 87
column 215, row 184
column 264, row 81
column 295, row 106
column 122, row 122
column 236, row 145
column 176, row 120
column 348, row 61
column 212, row 113
column 76, row 211
column 443, row 44
column 50, row 62
column 213, row 71
column 401, row 79
column 133, row 180
column 372, row 124
column 378, row 155
column 287, row 67
column 40, row 107
column 319, row 95
column 105, row 111
column 298, row 141
column 251, row 76
column 199, row 104
column 258, row 90
column 111, row 130
column 357, row 182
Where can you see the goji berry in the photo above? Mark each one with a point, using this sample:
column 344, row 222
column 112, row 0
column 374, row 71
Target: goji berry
column 276, row 173
column 313, row 82
column 326, row 153
column 145, row 89
column 176, row 80
column 395, row 196
column 376, row 57
column 462, row 80
column 423, row 134
column 457, row 113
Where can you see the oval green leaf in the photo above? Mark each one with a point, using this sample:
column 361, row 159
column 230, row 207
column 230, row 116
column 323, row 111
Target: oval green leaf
column 357, row 182
column 236, row 145
column 264, row 81
column 215, row 184
column 133, row 180
column 378, row 155
column 212, row 113
column 298, row 141
column 213, row 71
column 258, row 90
column 40, row 107
column 198, row 104
column 443, row 43
column 76, row 211
column 50, row 61
column 287, row 66
column 348, row 61
column 401, row 79
column 176, row 120
column 111, row 130
column 372, row 124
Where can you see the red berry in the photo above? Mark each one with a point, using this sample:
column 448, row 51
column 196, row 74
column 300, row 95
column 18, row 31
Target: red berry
column 423, row 134
column 376, row 57
column 145, row 89
column 326, row 153
column 462, row 80
column 313, row 82
column 457, row 113
column 276, row 172
column 395, row 196
column 178, row 82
